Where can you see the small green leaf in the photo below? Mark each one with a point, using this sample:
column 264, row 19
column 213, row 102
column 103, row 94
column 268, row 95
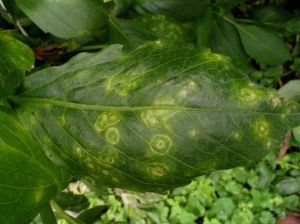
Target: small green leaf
column 155, row 118
column 262, row 45
column 288, row 186
column 66, row 19
column 71, row 202
column 222, row 208
column 15, row 59
column 296, row 134
column 291, row 90
column 28, row 179
column 293, row 26
column 89, row 216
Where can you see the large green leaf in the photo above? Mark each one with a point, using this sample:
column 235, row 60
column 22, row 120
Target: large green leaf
column 264, row 46
column 66, row 18
column 182, row 10
column 155, row 118
column 15, row 59
column 225, row 40
column 28, row 180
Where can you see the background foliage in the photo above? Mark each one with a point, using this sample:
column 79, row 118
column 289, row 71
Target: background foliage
column 261, row 38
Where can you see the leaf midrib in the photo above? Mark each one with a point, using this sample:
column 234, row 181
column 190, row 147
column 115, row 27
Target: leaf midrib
column 80, row 106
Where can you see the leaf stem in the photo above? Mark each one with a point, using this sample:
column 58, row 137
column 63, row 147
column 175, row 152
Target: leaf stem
column 261, row 23
column 61, row 213
column 47, row 215
column 93, row 47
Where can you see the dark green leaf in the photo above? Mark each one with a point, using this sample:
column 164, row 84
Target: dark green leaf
column 66, row 19
column 129, row 33
column 262, row 45
column 204, row 28
column 89, row 216
column 28, row 179
column 155, row 118
column 296, row 134
column 15, row 59
column 271, row 14
column 291, row 90
column 71, row 202
column 293, row 26
column 274, row 72
column 182, row 10
column 225, row 40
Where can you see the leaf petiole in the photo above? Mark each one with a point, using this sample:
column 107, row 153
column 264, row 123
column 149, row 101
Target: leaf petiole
column 47, row 215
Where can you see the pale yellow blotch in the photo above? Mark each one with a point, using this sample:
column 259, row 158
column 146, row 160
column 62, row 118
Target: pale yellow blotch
column 248, row 94
column 105, row 172
column 116, row 180
column 276, row 101
column 158, row 43
column 183, row 93
column 193, row 133
column 149, row 118
column 236, row 135
column 101, row 122
column 160, row 144
column 158, row 169
column 90, row 165
column 261, row 128
column 61, row 121
column 112, row 135
column 108, row 155
column 78, row 151
column 269, row 144
column 105, row 120
column 108, row 85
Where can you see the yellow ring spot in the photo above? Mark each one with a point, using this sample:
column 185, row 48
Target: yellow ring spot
column 261, row 128
column 158, row 170
column 112, row 135
column 160, row 144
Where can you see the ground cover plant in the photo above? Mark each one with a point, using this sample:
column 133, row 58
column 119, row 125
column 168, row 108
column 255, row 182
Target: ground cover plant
column 103, row 102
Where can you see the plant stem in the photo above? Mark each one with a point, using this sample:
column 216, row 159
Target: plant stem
column 61, row 213
column 47, row 215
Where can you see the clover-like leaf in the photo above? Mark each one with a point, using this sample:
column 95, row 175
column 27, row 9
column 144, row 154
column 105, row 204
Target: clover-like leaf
column 16, row 58
column 155, row 118
column 28, row 180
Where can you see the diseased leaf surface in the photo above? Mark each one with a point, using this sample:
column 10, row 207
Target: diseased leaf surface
column 155, row 118
column 15, row 59
column 28, row 180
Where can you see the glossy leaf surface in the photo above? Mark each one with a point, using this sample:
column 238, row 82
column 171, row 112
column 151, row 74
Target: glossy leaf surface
column 66, row 18
column 155, row 118
column 15, row 59
column 28, row 180
column 263, row 45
